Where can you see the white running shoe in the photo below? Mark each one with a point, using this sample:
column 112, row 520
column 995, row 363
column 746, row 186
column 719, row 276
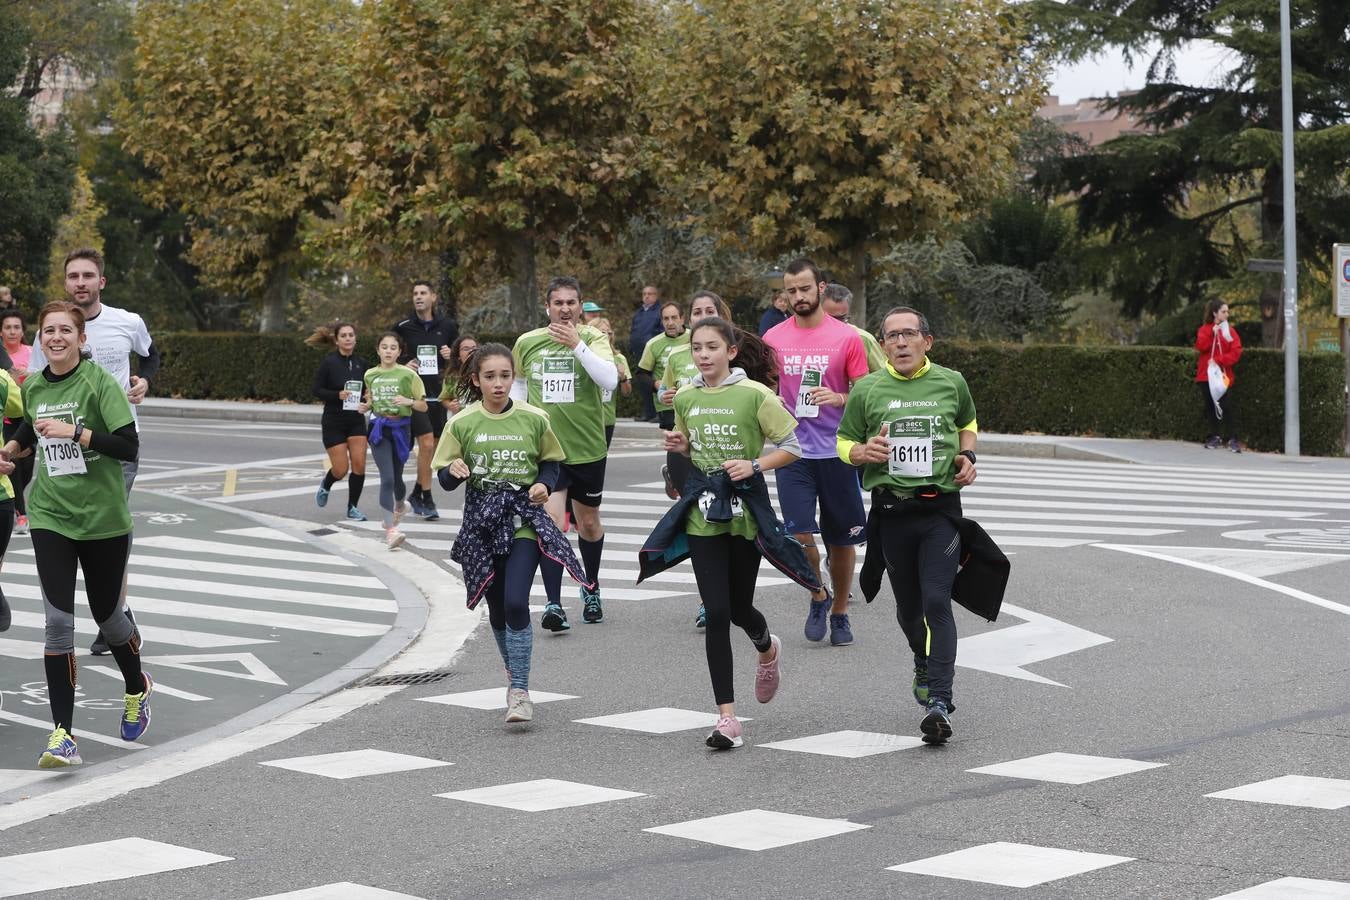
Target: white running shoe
column 394, row 538
column 519, row 707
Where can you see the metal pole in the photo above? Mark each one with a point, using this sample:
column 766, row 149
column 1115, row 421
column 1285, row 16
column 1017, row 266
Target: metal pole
column 1345, row 352
column 1291, row 428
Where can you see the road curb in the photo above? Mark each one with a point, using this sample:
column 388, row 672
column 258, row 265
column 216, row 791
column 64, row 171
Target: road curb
column 414, row 612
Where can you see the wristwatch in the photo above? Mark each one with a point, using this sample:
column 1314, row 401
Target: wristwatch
column 79, row 430
column 968, row 454
column 754, row 464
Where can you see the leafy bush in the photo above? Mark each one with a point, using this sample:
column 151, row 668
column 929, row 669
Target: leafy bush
column 1127, row 392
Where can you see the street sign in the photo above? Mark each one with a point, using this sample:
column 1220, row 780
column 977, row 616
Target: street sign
column 1341, row 279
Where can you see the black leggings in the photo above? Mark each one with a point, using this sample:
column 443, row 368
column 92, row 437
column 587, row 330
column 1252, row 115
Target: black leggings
column 922, row 550
column 104, row 562
column 1228, row 424
column 726, row 567
column 508, row 597
column 23, row 471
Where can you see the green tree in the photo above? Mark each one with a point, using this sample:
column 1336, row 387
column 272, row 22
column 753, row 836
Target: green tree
column 841, row 127
column 235, row 107
column 77, row 228
column 1162, row 251
column 87, row 35
column 496, row 128
column 36, row 176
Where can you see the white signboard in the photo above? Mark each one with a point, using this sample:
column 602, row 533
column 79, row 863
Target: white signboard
column 1340, row 279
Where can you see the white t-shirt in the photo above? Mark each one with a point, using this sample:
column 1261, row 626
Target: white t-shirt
column 112, row 336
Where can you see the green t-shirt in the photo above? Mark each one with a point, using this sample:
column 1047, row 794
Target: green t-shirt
column 500, row 449
column 11, row 398
column 611, row 398
column 86, row 506
column 728, row 422
column 876, row 357
column 384, row 385
column 923, row 416
column 448, row 387
column 557, row 383
column 680, row 368
column 656, row 355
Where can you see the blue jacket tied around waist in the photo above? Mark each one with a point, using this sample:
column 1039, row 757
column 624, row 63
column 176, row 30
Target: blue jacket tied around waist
column 668, row 544
column 488, row 530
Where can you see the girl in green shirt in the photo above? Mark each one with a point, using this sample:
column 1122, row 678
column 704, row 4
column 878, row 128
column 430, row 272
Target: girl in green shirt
column 464, row 347
column 392, row 393
column 78, row 417
column 729, row 422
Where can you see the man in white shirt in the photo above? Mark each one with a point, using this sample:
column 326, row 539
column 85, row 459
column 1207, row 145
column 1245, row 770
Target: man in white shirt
column 112, row 335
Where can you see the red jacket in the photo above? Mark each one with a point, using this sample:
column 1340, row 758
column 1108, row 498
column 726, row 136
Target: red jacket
column 1226, row 352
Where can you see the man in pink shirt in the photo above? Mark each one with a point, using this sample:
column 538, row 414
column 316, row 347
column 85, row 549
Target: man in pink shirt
column 819, row 358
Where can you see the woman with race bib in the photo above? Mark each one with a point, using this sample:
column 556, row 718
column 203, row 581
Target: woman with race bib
column 338, row 383
column 78, row 417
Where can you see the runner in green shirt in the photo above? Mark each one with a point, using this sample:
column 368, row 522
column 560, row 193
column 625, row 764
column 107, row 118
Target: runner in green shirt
column 729, row 423
column 912, row 430
column 657, row 352
column 78, row 418
column 501, row 447
column 611, row 398
column 12, row 401
column 564, row 369
column 392, row 393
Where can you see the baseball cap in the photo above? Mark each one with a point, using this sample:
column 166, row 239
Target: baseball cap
column 588, row 306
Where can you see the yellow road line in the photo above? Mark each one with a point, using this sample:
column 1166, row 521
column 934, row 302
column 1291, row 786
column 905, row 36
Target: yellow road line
column 231, row 482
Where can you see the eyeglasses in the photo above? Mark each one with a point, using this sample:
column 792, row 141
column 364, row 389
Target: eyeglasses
column 907, row 334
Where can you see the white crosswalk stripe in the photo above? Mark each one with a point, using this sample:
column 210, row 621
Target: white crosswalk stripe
column 1032, row 504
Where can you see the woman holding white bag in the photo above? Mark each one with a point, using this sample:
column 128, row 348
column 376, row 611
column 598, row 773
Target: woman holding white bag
column 1220, row 348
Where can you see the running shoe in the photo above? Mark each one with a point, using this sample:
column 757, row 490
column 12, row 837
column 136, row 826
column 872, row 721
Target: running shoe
column 429, row 511
column 355, row 514
column 6, row 618
column 768, row 675
column 136, row 719
column 61, row 751
column 415, row 501
column 726, row 735
column 937, row 724
column 701, row 620
column 1235, row 446
column 840, row 634
column 1214, row 442
column 21, row 524
column 591, row 612
column 519, row 707
column 671, row 490
column 321, row 496
column 394, row 538
column 817, row 618
column 554, row 618
column 920, row 684
column 400, row 510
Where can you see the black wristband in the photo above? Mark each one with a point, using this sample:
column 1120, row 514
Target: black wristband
column 968, row 454
column 79, row 430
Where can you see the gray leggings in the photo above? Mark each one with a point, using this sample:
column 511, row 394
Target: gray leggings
column 392, row 489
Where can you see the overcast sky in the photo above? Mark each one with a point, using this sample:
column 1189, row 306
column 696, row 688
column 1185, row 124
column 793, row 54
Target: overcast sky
column 1200, row 64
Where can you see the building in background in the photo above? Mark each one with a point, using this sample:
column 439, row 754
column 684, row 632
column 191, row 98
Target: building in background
column 1090, row 120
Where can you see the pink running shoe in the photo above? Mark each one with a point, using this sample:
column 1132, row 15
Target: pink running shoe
column 767, row 675
column 726, row 735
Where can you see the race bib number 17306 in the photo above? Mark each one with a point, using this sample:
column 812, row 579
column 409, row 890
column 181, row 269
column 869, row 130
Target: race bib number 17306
column 63, row 456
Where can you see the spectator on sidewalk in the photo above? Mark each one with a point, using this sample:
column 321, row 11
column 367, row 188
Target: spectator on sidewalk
column 1217, row 340
column 776, row 314
column 646, row 325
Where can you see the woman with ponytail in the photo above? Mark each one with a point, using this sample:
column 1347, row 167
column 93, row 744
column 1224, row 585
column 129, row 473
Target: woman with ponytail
column 338, row 385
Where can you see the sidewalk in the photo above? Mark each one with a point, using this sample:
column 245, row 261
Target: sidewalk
column 1037, row 446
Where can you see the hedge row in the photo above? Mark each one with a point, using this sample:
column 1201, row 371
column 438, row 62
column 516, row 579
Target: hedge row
column 1140, row 392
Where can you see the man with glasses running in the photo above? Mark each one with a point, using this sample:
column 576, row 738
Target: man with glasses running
column 912, row 431
column 819, row 358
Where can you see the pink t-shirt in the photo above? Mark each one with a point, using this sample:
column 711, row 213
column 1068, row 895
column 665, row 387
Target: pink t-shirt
column 20, row 357
column 830, row 355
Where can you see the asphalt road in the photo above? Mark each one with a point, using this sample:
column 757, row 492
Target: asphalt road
column 1184, row 624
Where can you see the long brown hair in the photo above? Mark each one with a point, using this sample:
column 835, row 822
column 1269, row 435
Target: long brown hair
column 752, row 354
column 326, row 335
column 465, row 389
column 1212, row 307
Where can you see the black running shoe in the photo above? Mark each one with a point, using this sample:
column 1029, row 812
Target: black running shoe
column 591, row 610
column 554, row 618
column 936, row 725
